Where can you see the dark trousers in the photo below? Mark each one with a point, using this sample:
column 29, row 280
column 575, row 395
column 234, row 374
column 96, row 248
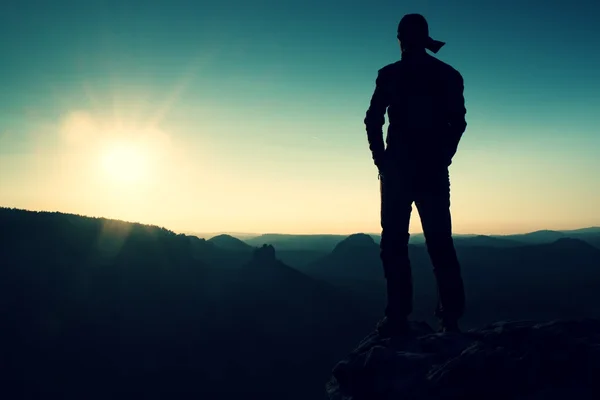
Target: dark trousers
column 430, row 191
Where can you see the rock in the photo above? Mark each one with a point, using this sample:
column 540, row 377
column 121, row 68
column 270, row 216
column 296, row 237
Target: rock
column 264, row 254
column 506, row 360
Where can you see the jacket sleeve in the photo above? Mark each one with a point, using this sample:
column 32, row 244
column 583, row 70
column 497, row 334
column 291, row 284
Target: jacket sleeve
column 456, row 110
column 375, row 118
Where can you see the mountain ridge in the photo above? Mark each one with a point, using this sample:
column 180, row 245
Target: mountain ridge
column 114, row 306
column 229, row 242
column 107, row 309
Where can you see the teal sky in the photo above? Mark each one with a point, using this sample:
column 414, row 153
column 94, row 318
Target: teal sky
column 229, row 115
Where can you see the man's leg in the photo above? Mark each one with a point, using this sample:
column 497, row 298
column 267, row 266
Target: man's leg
column 433, row 203
column 396, row 207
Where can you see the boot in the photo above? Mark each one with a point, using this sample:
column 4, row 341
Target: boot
column 449, row 326
column 389, row 327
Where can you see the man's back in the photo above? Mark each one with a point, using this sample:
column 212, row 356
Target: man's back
column 425, row 107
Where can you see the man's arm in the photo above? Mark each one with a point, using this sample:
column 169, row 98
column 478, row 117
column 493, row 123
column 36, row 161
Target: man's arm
column 375, row 119
column 456, row 111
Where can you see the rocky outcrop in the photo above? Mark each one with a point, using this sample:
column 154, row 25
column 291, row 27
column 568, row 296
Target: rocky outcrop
column 264, row 254
column 506, row 360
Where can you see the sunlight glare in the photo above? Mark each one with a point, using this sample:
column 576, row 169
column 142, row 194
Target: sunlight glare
column 125, row 163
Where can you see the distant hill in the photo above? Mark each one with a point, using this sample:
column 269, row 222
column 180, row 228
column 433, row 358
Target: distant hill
column 590, row 230
column 297, row 242
column 321, row 243
column 239, row 252
column 214, row 256
column 572, row 244
column 208, row 235
column 542, row 236
column 355, row 257
column 503, row 280
column 96, row 308
column 485, row 241
column 228, row 242
column 591, row 238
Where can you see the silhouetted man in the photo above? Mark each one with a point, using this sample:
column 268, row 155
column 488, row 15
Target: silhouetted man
column 424, row 101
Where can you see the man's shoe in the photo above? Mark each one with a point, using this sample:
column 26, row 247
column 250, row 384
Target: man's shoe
column 449, row 326
column 389, row 327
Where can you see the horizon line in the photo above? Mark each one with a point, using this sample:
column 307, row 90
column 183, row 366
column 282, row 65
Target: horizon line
column 256, row 234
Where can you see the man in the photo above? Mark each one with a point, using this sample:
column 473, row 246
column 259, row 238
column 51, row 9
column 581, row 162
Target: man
column 423, row 98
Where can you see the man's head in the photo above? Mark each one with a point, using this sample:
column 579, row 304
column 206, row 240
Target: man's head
column 413, row 34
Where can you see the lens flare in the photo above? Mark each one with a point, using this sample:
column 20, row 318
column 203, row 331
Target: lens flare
column 125, row 163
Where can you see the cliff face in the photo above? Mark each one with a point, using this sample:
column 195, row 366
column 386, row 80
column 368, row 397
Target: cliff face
column 506, row 360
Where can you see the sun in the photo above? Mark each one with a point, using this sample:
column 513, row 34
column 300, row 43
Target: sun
column 125, row 162
column 131, row 157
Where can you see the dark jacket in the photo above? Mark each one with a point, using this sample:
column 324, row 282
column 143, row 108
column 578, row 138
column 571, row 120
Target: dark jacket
column 423, row 97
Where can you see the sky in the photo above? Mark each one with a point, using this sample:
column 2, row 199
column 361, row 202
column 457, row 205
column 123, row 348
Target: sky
column 247, row 116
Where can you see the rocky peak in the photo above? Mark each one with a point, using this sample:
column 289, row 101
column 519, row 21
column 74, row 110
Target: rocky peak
column 264, row 254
